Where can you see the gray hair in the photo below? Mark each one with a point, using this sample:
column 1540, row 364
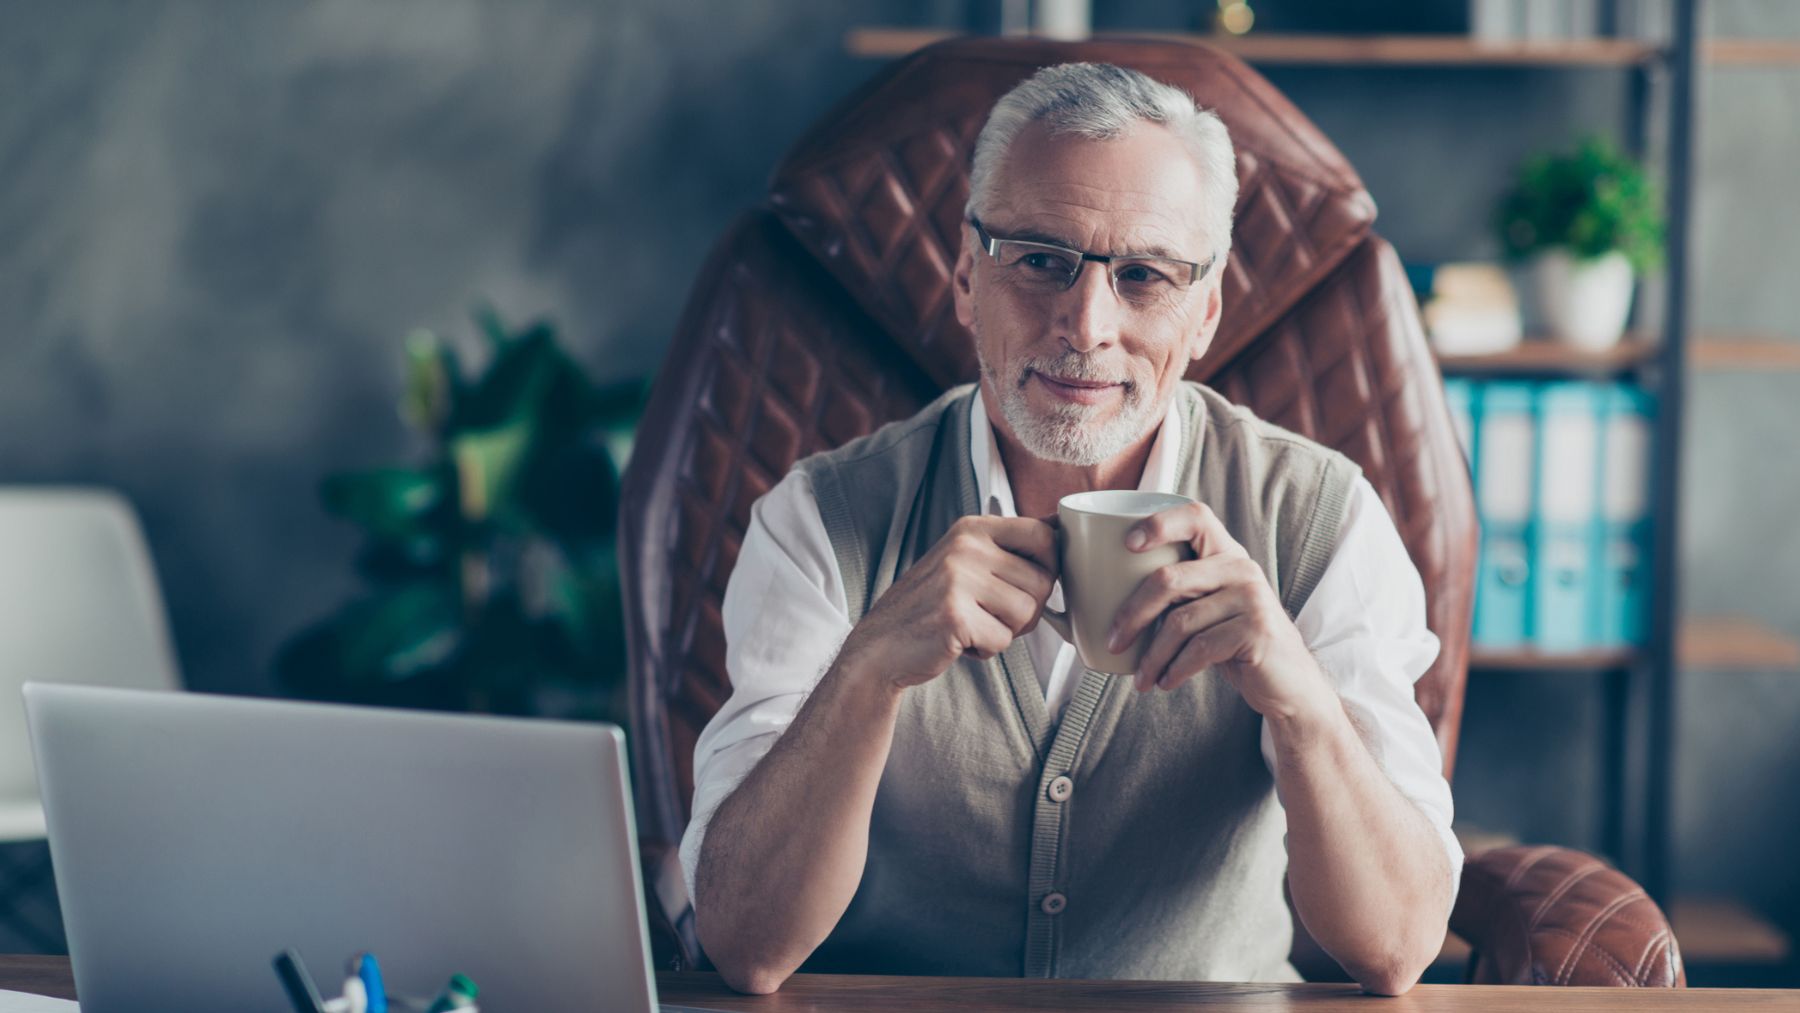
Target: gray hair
column 1099, row 101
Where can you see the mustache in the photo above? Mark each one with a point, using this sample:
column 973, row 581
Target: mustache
column 1072, row 365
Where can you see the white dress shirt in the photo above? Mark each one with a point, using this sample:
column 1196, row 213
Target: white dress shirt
column 786, row 615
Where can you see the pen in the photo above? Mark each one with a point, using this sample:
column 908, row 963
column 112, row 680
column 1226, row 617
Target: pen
column 301, row 992
column 370, row 972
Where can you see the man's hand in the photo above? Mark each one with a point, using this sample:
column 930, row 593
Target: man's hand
column 979, row 588
column 1216, row 610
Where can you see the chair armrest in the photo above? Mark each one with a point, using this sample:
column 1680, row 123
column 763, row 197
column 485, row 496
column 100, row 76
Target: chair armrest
column 1555, row 916
column 673, row 945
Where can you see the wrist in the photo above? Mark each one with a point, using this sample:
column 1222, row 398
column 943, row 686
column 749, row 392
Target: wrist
column 1310, row 718
column 855, row 670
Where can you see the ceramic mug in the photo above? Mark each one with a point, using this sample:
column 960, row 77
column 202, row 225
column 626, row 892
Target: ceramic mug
column 1099, row 572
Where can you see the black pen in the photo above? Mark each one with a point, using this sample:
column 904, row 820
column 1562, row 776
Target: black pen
column 299, row 985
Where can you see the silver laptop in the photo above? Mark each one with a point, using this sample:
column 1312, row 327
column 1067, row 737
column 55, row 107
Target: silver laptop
column 195, row 836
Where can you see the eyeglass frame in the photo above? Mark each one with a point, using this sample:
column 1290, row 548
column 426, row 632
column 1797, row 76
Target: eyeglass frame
column 990, row 244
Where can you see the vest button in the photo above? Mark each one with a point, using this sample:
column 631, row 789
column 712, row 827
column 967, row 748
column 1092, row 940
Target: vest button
column 1060, row 789
column 1053, row 903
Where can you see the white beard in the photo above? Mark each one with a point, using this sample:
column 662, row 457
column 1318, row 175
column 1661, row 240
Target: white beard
column 1070, row 433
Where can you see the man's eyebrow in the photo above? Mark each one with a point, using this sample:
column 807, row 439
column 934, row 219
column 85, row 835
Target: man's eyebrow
column 1156, row 250
column 1034, row 236
column 1153, row 250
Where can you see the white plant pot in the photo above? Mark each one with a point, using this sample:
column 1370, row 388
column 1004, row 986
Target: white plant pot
column 1062, row 19
column 1583, row 303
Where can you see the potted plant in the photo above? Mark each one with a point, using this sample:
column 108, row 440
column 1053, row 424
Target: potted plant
column 1586, row 223
column 491, row 579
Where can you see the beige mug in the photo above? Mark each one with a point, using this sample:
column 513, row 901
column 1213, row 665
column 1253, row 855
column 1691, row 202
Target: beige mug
column 1099, row 572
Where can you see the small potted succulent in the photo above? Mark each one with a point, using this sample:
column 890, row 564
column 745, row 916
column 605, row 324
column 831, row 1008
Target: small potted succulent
column 1584, row 224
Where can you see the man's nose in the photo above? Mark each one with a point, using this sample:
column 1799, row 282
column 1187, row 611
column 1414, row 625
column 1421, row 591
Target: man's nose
column 1088, row 313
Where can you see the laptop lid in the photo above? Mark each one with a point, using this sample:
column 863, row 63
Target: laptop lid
column 195, row 836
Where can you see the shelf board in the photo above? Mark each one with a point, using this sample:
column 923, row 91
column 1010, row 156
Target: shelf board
column 1751, row 52
column 1396, row 50
column 1730, row 643
column 1528, row 660
column 1537, row 356
column 890, row 42
column 1540, row 356
column 1716, row 931
column 1343, row 50
column 1743, row 351
column 1736, row 642
column 1428, row 50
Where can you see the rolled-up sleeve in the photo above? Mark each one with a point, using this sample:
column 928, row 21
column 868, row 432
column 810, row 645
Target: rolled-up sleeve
column 785, row 617
column 1365, row 623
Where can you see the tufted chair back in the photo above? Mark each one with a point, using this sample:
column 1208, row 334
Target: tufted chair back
column 827, row 313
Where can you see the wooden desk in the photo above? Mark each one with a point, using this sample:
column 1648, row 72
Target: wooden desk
column 38, row 975
column 806, row 993
column 821, row 992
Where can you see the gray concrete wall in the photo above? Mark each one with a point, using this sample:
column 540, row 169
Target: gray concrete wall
column 217, row 220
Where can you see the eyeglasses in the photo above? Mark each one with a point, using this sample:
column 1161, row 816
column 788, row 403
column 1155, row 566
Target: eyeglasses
column 1138, row 279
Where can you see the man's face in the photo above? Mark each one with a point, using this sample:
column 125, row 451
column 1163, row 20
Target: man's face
column 1082, row 375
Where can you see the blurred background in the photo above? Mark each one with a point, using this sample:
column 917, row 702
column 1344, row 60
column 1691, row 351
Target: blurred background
column 220, row 224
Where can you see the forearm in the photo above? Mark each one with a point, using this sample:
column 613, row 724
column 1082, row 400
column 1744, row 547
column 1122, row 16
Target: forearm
column 1368, row 874
column 783, row 855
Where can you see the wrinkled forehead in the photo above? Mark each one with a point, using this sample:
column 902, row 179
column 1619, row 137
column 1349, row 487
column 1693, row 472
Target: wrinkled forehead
column 1142, row 191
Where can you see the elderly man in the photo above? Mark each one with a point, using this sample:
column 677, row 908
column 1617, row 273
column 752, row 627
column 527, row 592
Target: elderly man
column 915, row 775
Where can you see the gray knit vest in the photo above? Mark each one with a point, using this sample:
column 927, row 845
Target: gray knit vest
column 1166, row 859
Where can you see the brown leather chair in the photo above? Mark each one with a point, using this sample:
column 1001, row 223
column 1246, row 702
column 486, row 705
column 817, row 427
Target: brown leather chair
column 827, row 312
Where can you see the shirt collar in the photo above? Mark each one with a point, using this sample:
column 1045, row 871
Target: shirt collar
column 990, row 472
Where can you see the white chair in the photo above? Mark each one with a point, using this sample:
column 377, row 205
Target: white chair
column 78, row 603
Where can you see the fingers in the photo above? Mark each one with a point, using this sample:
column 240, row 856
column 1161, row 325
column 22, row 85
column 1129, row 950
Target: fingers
column 1173, row 584
column 1181, row 623
column 1016, row 608
column 1214, row 646
column 1023, row 574
column 1189, row 637
column 1020, row 550
column 984, row 635
column 1025, row 536
column 1192, row 524
column 1004, row 569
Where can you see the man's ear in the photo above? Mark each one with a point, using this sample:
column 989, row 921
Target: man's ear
column 1209, row 324
column 961, row 280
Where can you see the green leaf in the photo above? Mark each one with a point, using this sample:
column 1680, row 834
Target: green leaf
column 399, row 634
column 572, row 490
column 523, row 371
column 391, row 503
column 1591, row 201
column 408, row 635
column 431, row 381
column 618, row 404
column 488, row 465
column 488, row 319
column 426, row 557
column 588, row 597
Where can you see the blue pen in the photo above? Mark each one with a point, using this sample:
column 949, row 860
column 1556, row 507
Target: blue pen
column 370, row 972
